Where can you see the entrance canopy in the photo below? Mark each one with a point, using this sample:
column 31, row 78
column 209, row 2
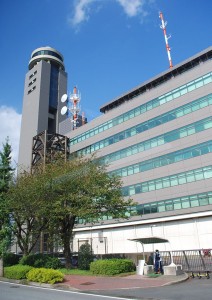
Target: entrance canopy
column 150, row 240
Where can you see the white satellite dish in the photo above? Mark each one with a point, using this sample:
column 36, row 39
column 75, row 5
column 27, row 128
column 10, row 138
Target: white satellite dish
column 64, row 110
column 64, row 98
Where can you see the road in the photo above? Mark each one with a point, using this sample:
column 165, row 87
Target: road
column 11, row 291
column 192, row 289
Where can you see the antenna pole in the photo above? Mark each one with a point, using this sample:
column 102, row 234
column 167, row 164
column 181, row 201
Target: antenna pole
column 75, row 109
column 163, row 27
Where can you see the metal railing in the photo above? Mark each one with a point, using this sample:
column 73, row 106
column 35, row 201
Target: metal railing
column 191, row 260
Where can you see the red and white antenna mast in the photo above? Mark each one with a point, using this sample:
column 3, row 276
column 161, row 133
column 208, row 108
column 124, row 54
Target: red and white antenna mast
column 75, row 108
column 163, row 27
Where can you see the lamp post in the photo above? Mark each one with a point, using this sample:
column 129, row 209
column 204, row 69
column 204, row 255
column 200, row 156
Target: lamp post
column 151, row 226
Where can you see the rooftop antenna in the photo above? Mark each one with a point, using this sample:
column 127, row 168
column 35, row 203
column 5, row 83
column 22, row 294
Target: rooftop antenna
column 72, row 106
column 168, row 49
column 75, row 98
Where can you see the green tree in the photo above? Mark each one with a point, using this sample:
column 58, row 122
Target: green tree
column 6, row 175
column 82, row 189
column 29, row 208
column 59, row 194
column 85, row 256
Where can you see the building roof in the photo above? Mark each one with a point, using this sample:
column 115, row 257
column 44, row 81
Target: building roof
column 159, row 79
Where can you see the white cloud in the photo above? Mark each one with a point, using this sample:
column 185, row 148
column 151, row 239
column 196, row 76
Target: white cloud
column 81, row 11
column 132, row 8
column 10, row 127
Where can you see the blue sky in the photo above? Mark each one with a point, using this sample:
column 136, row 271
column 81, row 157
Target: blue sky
column 109, row 46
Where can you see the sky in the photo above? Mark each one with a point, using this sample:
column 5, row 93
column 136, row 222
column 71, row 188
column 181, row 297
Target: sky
column 109, row 47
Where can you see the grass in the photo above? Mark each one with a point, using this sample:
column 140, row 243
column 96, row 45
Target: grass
column 153, row 275
column 76, row 272
column 89, row 273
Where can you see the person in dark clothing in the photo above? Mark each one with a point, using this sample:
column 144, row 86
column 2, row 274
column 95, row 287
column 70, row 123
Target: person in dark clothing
column 158, row 263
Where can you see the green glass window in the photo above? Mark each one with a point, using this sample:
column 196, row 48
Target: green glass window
column 185, row 202
column 147, row 106
column 177, row 204
column 161, row 206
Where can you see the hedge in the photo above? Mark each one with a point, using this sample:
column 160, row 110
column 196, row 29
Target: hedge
column 112, row 266
column 16, row 272
column 41, row 261
column 10, row 259
column 43, row 275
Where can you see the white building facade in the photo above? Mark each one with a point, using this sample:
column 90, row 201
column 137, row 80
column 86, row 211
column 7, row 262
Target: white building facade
column 157, row 137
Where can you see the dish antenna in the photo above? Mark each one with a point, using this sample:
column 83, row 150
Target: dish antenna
column 72, row 105
column 64, row 110
column 64, row 98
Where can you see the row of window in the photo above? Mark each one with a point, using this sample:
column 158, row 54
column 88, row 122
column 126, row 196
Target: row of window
column 165, row 160
column 168, row 181
column 169, row 116
column 164, row 205
column 199, row 82
column 159, row 140
column 47, row 52
column 173, row 204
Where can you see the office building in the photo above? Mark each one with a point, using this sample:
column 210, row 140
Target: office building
column 157, row 137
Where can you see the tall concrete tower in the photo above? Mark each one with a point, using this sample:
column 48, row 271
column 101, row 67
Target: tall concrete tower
column 45, row 83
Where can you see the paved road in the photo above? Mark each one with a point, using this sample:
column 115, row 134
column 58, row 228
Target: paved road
column 192, row 289
column 12, row 291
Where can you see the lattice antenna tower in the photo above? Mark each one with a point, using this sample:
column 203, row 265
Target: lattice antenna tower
column 75, row 98
column 72, row 105
column 168, row 49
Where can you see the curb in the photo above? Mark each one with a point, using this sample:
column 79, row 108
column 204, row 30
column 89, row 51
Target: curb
column 177, row 281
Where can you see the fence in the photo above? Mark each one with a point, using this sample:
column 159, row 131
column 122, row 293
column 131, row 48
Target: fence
column 191, row 260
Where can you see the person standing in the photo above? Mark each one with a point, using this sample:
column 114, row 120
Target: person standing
column 158, row 263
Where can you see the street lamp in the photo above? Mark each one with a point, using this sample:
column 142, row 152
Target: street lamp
column 151, row 226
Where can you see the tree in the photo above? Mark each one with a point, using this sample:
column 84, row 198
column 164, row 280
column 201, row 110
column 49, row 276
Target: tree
column 82, row 189
column 29, row 208
column 65, row 191
column 6, row 174
column 85, row 257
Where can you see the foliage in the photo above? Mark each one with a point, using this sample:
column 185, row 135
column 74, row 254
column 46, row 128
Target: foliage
column 6, row 174
column 76, row 272
column 10, row 259
column 112, row 266
column 28, row 207
column 45, row 275
column 85, row 257
column 63, row 191
column 41, row 260
column 16, row 272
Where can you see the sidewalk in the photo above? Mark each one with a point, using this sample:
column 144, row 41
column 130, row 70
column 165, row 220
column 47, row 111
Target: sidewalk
column 89, row 283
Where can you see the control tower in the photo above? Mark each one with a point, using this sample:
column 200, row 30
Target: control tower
column 45, row 83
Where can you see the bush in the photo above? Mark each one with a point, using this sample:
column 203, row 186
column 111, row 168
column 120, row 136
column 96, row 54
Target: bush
column 45, row 275
column 85, row 257
column 16, row 272
column 41, row 261
column 112, row 266
column 10, row 259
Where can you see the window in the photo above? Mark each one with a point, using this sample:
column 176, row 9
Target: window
column 177, row 204
column 185, row 202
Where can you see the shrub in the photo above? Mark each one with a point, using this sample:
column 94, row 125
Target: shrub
column 112, row 266
column 10, row 259
column 85, row 257
column 41, row 261
column 45, row 275
column 16, row 272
